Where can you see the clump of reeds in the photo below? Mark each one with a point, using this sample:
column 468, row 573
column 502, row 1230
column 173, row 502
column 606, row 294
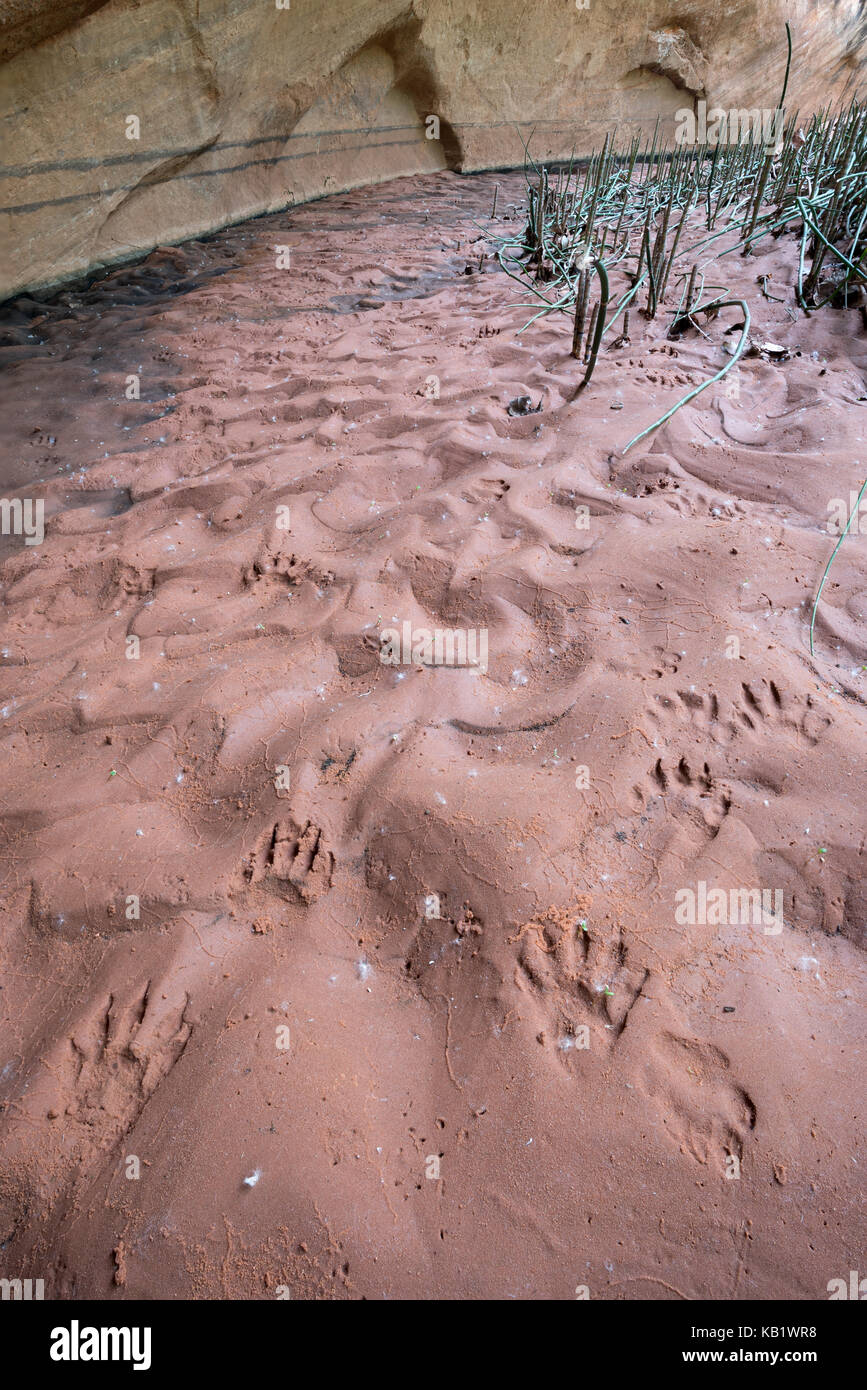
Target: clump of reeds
column 630, row 209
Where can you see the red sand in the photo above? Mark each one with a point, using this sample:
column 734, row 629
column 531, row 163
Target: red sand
column 413, row 1037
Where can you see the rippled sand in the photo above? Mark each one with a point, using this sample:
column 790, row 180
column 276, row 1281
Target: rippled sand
column 378, row 970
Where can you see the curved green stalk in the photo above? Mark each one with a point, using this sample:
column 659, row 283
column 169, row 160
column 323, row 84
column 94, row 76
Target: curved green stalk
column 600, row 323
column 718, row 376
column 782, row 100
column 843, row 534
column 830, row 245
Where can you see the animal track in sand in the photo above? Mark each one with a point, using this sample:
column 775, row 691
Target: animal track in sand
column 669, row 378
column 690, row 790
column 770, row 706
column 290, row 569
column 292, row 856
column 86, row 590
column 662, row 483
column 667, row 663
column 486, row 490
column 760, row 708
column 40, row 438
column 578, row 975
column 120, row 1055
column 654, row 372
column 707, row 1112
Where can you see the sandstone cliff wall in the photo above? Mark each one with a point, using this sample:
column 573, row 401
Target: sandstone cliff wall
column 128, row 123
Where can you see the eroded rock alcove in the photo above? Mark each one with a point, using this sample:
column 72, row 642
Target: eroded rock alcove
column 241, row 107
